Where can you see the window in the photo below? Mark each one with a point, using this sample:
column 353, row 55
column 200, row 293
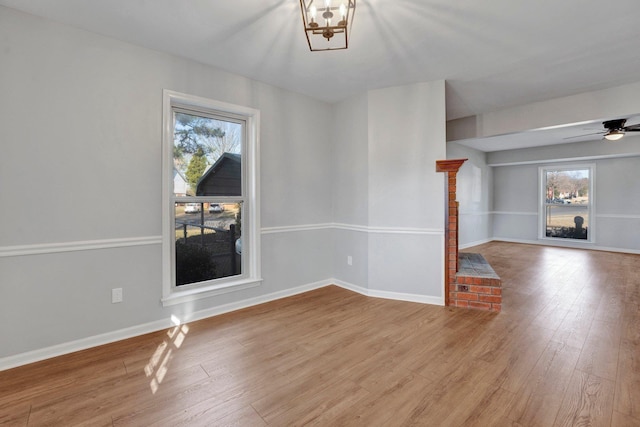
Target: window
column 210, row 220
column 566, row 202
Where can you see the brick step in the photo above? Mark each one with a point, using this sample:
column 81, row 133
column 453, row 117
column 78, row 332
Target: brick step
column 476, row 285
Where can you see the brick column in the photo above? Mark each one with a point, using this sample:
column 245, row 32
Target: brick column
column 451, row 167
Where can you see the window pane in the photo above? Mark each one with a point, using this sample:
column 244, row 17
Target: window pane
column 210, row 166
column 567, row 221
column 567, row 203
column 208, row 242
column 207, row 160
column 207, row 156
column 567, row 186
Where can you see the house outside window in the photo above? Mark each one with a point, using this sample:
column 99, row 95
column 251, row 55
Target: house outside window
column 567, row 202
column 210, row 224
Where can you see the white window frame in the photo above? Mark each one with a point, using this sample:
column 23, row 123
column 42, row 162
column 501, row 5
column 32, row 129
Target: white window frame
column 542, row 192
column 251, row 274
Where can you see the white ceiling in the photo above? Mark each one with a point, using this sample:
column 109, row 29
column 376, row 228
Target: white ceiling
column 493, row 54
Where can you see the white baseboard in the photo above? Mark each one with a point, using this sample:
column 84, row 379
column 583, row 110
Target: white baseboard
column 623, row 251
column 399, row 296
column 227, row 308
column 560, row 244
column 82, row 344
column 121, row 334
column 476, row 243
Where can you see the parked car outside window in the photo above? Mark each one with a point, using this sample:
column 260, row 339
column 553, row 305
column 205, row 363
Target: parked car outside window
column 192, row 208
column 216, row 207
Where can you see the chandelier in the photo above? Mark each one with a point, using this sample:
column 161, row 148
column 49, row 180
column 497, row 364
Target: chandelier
column 327, row 23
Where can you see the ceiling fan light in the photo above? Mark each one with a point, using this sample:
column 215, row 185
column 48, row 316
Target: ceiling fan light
column 614, row 135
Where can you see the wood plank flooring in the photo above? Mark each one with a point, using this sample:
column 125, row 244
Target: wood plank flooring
column 565, row 351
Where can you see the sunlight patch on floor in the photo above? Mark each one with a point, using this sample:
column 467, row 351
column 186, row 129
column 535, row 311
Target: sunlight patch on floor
column 158, row 365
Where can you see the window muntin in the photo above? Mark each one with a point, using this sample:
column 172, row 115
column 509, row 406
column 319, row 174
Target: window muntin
column 567, row 199
column 210, row 237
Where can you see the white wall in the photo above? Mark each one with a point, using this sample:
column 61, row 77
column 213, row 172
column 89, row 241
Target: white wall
column 618, row 203
column 515, row 202
column 388, row 198
column 406, row 195
column 350, row 165
column 475, row 195
column 80, row 181
column 350, row 169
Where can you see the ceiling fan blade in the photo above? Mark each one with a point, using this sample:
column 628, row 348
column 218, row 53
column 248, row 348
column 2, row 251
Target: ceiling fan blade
column 586, row 134
column 632, row 128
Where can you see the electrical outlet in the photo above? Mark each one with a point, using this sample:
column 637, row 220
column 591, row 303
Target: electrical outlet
column 116, row 295
column 349, row 260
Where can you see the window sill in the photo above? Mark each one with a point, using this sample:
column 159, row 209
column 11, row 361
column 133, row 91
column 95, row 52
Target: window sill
column 182, row 296
column 566, row 242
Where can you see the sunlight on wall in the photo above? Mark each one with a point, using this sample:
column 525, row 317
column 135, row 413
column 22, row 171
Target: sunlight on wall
column 158, row 365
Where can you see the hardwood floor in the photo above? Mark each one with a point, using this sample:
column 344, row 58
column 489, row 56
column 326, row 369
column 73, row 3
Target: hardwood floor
column 565, row 351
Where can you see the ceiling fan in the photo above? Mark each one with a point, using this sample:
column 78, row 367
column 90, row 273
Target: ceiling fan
column 613, row 130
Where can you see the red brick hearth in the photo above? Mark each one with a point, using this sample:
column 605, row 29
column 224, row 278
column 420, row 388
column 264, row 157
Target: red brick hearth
column 470, row 281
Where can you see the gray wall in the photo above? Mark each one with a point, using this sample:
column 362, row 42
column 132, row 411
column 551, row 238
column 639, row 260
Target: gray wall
column 386, row 144
column 475, row 195
column 513, row 215
column 515, row 202
column 80, row 180
column 406, row 194
column 351, row 191
column 616, row 220
column 513, row 196
column 80, row 125
column 618, row 203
